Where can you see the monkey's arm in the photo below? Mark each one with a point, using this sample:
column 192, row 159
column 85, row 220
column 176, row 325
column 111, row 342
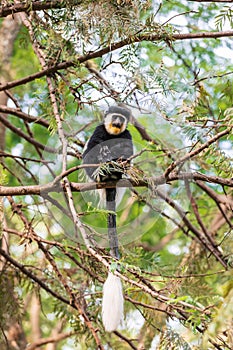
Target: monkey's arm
column 92, row 149
column 122, row 148
column 96, row 138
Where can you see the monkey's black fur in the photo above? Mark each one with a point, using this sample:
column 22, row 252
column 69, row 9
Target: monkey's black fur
column 111, row 141
column 103, row 147
column 112, row 233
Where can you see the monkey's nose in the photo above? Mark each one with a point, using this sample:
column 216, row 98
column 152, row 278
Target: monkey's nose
column 116, row 125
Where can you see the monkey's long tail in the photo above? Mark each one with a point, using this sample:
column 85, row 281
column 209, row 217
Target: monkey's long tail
column 113, row 300
column 112, row 232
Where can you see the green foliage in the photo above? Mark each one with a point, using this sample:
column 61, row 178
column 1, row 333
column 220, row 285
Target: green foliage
column 10, row 308
column 3, row 176
column 172, row 340
column 222, row 319
column 23, row 52
column 181, row 94
column 225, row 15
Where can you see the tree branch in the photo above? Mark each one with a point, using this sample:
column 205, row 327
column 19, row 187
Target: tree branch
column 34, row 6
column 32, row 277
column 28, row 138
column 212, row 1
column 113, row 47
column 196, row 151
column 57, row 4
column 27, row 117
column 90, row 186
column 204, row 240
column 53, row 339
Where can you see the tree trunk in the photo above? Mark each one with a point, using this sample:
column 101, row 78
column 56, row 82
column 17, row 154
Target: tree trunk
column 14, row 337
column 8, row 32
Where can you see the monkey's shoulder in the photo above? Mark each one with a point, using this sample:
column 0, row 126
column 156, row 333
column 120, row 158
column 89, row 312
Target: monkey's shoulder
column 100, row 134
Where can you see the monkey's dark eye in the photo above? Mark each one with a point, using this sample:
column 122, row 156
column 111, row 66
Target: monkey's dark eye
column 118, row 118
column 115, row 116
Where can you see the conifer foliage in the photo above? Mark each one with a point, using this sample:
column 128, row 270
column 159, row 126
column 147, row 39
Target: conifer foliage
column 62, row 64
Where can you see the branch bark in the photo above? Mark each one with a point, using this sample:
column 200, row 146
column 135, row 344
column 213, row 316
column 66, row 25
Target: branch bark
column 32, row 276
column 28, row 138
column 27, row 117
column 52, row 339
column 197, row 150
column 34, row 6
column 212, row 1
column 114, row 47
column 90, row 186
column 57, row 4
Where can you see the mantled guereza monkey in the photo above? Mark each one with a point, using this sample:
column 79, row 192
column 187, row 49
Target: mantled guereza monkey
column 111, row 141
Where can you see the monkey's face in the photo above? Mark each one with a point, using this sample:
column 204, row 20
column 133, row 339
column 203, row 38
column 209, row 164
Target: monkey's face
column 115, row 123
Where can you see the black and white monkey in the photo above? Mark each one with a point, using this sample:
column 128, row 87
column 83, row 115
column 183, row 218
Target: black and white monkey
column 111, row 141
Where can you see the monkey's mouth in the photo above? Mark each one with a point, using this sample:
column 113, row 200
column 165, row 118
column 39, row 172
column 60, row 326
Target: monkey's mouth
column 117, row 125
column 116, row 128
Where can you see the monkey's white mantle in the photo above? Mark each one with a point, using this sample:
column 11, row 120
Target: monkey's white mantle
column 113, row 303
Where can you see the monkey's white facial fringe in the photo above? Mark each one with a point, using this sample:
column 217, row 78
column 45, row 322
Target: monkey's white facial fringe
column 110, row 128
column 113, row 303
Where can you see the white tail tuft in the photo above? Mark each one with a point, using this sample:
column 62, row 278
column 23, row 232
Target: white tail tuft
column 113, row 303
